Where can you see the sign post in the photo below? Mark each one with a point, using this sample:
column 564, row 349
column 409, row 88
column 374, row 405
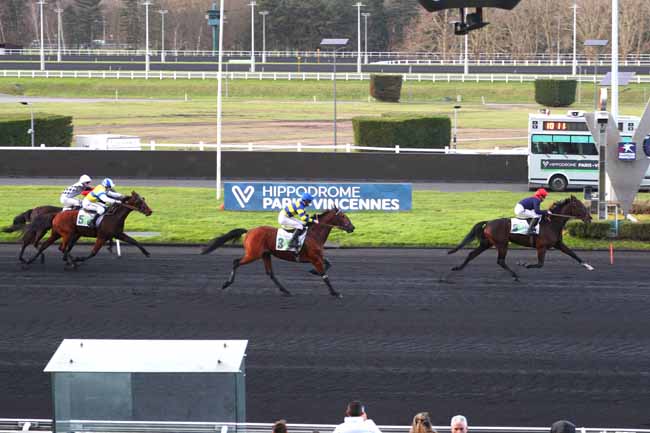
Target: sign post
column 602, row 117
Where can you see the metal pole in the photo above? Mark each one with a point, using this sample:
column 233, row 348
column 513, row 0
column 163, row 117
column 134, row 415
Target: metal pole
column 602, row 118
column 162, row 13
column 365, row 33
column 358, row 5
column 219, row 102
column 31, row 112
column 575, row 39
column 264, row 14
column 58, row 11
column 558, row 40
column 252, row 5
column 614, row 110
column 455, row 128
column 466, row 67
column 146, row 4
column 41, row 3
column 334, row 79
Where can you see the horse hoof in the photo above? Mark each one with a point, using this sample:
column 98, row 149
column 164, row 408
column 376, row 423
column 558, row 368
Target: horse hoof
column 225, row 286
column 456, row 268
column 313, row 272
column 287, row 294
column 588, row 266
column 337, row 295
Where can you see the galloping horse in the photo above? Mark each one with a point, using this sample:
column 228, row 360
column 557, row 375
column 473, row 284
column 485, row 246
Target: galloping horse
column 260, row 243
column 497, row 233
column 65, row 226
column 33, row 237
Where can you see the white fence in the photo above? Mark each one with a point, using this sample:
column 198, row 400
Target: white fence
column 299, row 76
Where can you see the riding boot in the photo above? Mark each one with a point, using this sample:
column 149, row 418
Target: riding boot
column 293, row 243
column 531, row 227
column 92, row 223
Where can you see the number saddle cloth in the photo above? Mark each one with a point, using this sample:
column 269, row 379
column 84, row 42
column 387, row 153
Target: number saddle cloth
column 283, row 238
column 519, row 226
column 84, row 219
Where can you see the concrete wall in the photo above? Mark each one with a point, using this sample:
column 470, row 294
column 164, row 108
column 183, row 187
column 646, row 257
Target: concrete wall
column 265, row 165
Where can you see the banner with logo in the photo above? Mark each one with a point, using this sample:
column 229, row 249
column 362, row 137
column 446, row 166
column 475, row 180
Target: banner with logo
column 569, row 164
column 273, row 196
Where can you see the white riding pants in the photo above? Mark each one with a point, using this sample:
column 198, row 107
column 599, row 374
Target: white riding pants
column 287, row 222
column 70, row 201
column 98, row 208
column 520, row 212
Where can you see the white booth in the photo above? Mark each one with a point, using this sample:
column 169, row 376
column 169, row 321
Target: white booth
column 108, row 142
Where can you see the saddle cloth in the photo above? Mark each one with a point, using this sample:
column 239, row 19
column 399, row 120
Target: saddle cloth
column 283, row 237
column 84, row 218
column 520, row 226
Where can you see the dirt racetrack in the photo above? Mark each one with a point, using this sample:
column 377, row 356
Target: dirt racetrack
column 564, row 343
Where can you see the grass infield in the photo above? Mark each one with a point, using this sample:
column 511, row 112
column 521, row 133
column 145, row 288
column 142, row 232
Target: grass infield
column 192, row 215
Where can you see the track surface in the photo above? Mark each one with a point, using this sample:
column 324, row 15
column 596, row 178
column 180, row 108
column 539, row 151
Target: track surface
column 564, row 343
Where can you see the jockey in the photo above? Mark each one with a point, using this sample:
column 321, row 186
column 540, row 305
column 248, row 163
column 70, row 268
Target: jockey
column 294, row 216
column 68, row 196
column 100, row 197
column 529, row 208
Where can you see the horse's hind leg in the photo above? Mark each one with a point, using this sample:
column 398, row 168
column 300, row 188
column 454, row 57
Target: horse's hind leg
column 501, row 260
column 269, row 271
column 484, row 245
column 53, row 238
column 235, row 264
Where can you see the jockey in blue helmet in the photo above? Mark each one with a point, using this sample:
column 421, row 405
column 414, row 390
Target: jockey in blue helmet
column 293, row 216
column 102, row 196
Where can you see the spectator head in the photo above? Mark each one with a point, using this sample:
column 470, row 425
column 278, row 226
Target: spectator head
column 355, row 408
column 563, row 426
column 458, row 424
column 280, row 426
column 422, row 423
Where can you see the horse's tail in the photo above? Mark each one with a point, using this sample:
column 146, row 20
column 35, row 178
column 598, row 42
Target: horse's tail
column 19, row 222
column 41, row 224
column 219, row 241
column 476, row 232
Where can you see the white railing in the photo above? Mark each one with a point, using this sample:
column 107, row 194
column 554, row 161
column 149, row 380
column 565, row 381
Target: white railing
column 299, row 76
column 299, row 147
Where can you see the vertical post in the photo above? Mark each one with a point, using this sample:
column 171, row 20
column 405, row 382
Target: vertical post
column 31, row 112
column 162, row 13
column 558, row 40
column 41, row 3
column 365, row 33
column 146, row 5
column 334, row 79
column 466, row 66
column 264, row 14
column 602, row 117
column 219, row 102
column 614, row 84
column 575, row 39
column 358, row 5
column 252, row 5
column 58, row 11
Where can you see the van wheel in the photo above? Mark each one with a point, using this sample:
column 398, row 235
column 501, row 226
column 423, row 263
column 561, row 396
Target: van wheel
column 558, row 183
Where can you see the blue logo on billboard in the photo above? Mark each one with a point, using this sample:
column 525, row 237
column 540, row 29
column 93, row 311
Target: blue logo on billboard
column 267, row 196
column 627, row 151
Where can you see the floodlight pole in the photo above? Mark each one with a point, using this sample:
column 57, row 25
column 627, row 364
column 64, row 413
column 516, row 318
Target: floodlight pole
column 575, row 39
column 162, row 13
column 146, row 4
column 334, row 80
column 466, row 65
column 252, row 5
column 365, row 33
column 358, row 5
column 41, row 3
column 219, row 102
column 264, row 14
column 31, row 112
column 614, row 83
column 59, row 32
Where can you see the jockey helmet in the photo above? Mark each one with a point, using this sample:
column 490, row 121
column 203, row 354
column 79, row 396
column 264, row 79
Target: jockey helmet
column 306, row 197
column 108, row 183
column 85, row 179
column 541, row 193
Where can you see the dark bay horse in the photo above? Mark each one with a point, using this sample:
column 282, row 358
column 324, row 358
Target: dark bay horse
column 21, row 220
column 32, row 237
column 497, row 233
column 64, row 226
column 259, row 243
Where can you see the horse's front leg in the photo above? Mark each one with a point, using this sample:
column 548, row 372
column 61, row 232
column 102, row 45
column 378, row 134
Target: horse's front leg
column 129, row 240
column 569, row 252
column 541, row 256
column 268, row 267
column 320, row 268
column 99, row 243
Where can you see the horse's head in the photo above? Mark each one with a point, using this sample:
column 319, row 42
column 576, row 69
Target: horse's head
column 335, row 217
column 138, row 203
column 573, row 207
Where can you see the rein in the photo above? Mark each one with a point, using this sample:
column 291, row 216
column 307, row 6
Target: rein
column 128, row 206
column 562, row 215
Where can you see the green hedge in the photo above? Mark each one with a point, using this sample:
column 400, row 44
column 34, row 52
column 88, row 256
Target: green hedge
column 386, row 88
column 555, row 93
column 603, row 230
column 405, row 130
column 51, row 130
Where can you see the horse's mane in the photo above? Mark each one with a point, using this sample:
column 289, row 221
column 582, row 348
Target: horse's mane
column 555, row 207
column 334, row 209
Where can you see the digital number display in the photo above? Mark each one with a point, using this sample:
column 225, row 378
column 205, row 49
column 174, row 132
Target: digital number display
column 564, row 126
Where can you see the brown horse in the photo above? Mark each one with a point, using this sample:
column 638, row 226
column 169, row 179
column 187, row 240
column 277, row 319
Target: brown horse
column 64, row 226
column 497, row 233
column 33, row 237
column 260, row 243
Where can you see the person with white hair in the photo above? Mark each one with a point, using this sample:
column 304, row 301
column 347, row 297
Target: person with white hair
column 458, row 424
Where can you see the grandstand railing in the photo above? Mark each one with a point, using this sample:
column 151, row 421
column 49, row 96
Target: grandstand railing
column 92, row 426
column 300, row 76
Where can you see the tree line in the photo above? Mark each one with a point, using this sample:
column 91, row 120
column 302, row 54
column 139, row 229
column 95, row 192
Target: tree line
column 535, row 26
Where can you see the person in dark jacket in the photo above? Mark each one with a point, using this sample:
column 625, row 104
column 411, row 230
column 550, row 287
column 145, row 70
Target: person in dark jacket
column 530, row 208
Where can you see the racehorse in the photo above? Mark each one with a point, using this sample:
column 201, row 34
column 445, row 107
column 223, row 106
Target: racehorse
column 497, row 233
column 260, row 243
column 64, row 225
column 33, row 237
